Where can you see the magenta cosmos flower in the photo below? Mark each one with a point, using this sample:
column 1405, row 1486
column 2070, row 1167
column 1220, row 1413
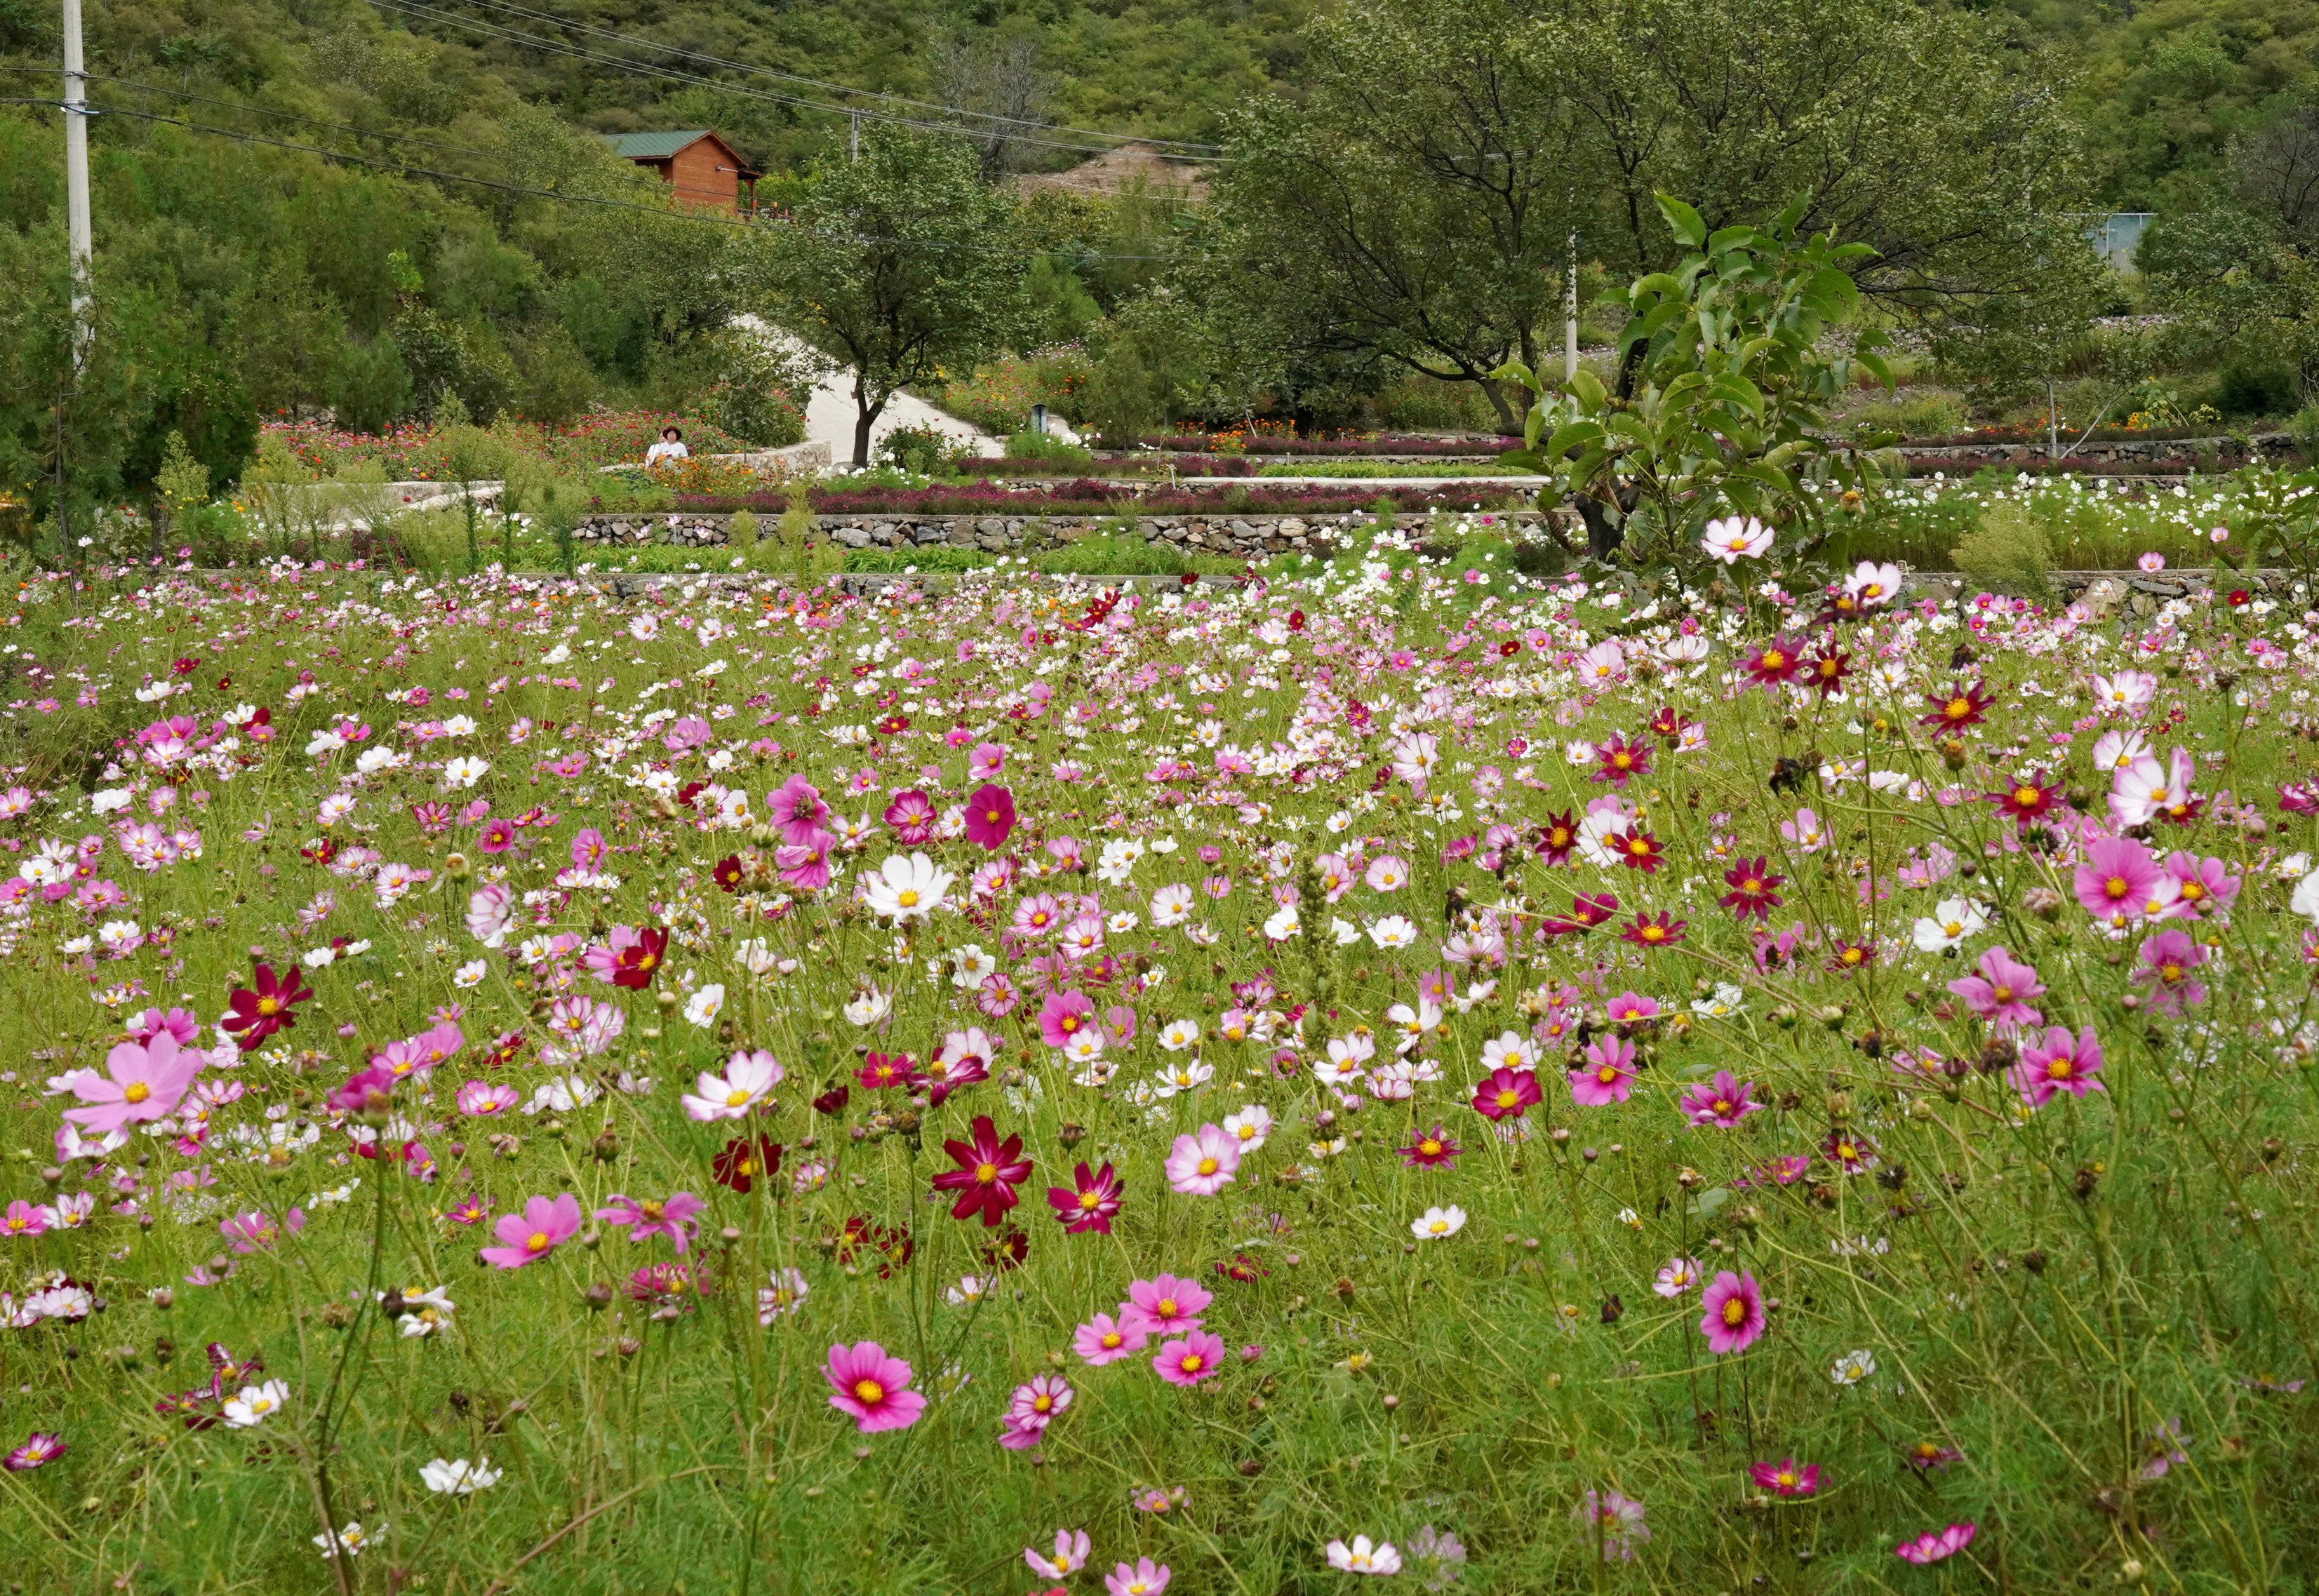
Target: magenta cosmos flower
column 1937, row 1544
column 1164, row 1305
column 545, row 1224
column 2001, row 990
column 874, row 1388
column 1143, row 1577
column 1203, row 1164
column 1190, row 1359
column 1064, row 1016
column 1092, row 1206
column 1608, row 1076
column 2167, row 961
column 912, row 816
column 1103, row 1339
column 989, row 815
column 796, row 809
column 39, row 1447
column 140, row 1082
column 2116, row 878
column 1506, row 1093
column 1722, row 1101
column 988, row 1170
column 2060, row 1062
column 1785, row 1478
column 1734, row 1319
column 673, row 1218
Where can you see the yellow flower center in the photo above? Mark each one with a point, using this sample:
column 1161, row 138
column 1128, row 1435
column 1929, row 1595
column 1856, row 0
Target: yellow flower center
column 1735, row 1311
column 1774, row 659
column 1207, row 1165
column 869, row 1393
column 1607, row 1074
column 907, row 898
column 536, row 1243
column 735, row 1098
column 984, row 1174
column 1167, row 1307
column 1192, row 1363
column 2115, row 887
column 136, row 1091
column 991, row 815
column 1429, row 1147
column 2024, row 795
column 1509, row 1098
column 1090, row 1200
column 269, row 1006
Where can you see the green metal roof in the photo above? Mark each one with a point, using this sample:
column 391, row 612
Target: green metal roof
column 652, row 147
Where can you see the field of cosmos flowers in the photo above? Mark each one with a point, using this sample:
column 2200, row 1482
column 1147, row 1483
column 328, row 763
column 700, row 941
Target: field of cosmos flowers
column 1636, row 1085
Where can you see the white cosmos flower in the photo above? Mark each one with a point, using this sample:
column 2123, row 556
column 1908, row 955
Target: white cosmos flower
column 1951, row 921
column 1395, row 931
column 464, row 771
column 458, row 1477
column 1177, row 1035
column 909, row 888
column 1434, row 1224
column 869, row 1006
column 1283, row 924
column 704, row 1005
column 1250, row 1126
column 255, row 1402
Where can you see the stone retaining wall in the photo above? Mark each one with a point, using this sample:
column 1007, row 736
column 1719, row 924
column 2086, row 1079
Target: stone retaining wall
column 1219, row 534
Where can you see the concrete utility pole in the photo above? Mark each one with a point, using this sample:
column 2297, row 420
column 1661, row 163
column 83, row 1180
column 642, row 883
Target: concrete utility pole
column 1570, row 318
column 853, row 135
column 77, row 115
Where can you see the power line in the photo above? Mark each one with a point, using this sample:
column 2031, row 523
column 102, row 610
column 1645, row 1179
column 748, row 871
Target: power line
column 403, row 170
column 416, row 8
column 309, row 120
column 1010, row 122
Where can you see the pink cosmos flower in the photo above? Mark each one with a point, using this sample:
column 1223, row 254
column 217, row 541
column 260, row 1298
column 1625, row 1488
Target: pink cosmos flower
column 1506, row 1092
column 1071, row 1547
column 1721, row 1101
column 748, row 1080
column 22, row 1219
column 545, row 1224
column 803, row 862
column 989, row 817
column 1629, row 1008
column 796, row 808
column 1784, row 1478
column 872, row 1387
column 1064, row 1016
column 1734, row 1320
column 2202, row 886
column 253, row 1231
column 2059, row 1062
column 1037, row 1401
column 2000, row 993
column 1617, row 1519
column 1090, row 1205
column 2116, row 878
column 1203, row 1164
column 366, row 1090
column 2166, row 962
column 1608, row 1076
column 1164, row 1305
column 673, row 1218
column 912, row 815
column 1190, row 1359
column 1143, row 1577
column 40, row 1446
column 187, row 1027
column 481, row 1099
column 1679, row 1278
column 1937, row 1544
column 1103, row 1339
column 142, row 1081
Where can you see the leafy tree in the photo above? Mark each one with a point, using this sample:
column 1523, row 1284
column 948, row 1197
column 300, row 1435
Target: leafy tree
column 2244, row 273
column 1419, row 201
column 1730, row 396
column 902, row 265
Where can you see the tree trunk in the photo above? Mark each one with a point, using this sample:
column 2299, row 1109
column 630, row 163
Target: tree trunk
column 865, row 415
column 1509, row 424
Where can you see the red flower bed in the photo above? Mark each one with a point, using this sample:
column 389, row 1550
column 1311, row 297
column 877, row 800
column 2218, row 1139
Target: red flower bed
column 1087, row 496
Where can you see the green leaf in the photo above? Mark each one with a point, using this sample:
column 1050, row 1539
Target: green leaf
column 1528, row 459
column 1682, row 221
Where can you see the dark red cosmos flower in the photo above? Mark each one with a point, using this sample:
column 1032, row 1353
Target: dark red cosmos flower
column 881, row 1070
column 1656, row 931
column 1435, row 1150
column 893, row 724
column 1623, row 761
column 1640, row 851
column 1753, row 886
column 1557, row 837
column 989, row 815
column 891, row 1247
column 1295, row 619
column 1242, row 1269
column 1666, row 723
column 258, row 1014
column 689, row 791
column 184, row 667
column 833, row 1102
column 1849, row 1151
column 1092, row 1205
column 743, row 1159
column 1506, row 1093
column 1590, row 910
column 988, row 1170
column 1850, row 957
column 2239, row 596
column 1778, row 661
column 1508, row 649
column 1003, row 1251
column 1825, row 669
column 2029, row 799
column 321, row 852
column 639, row 960
column 727, row 872
column 505, row 1047
column 1957, row 709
